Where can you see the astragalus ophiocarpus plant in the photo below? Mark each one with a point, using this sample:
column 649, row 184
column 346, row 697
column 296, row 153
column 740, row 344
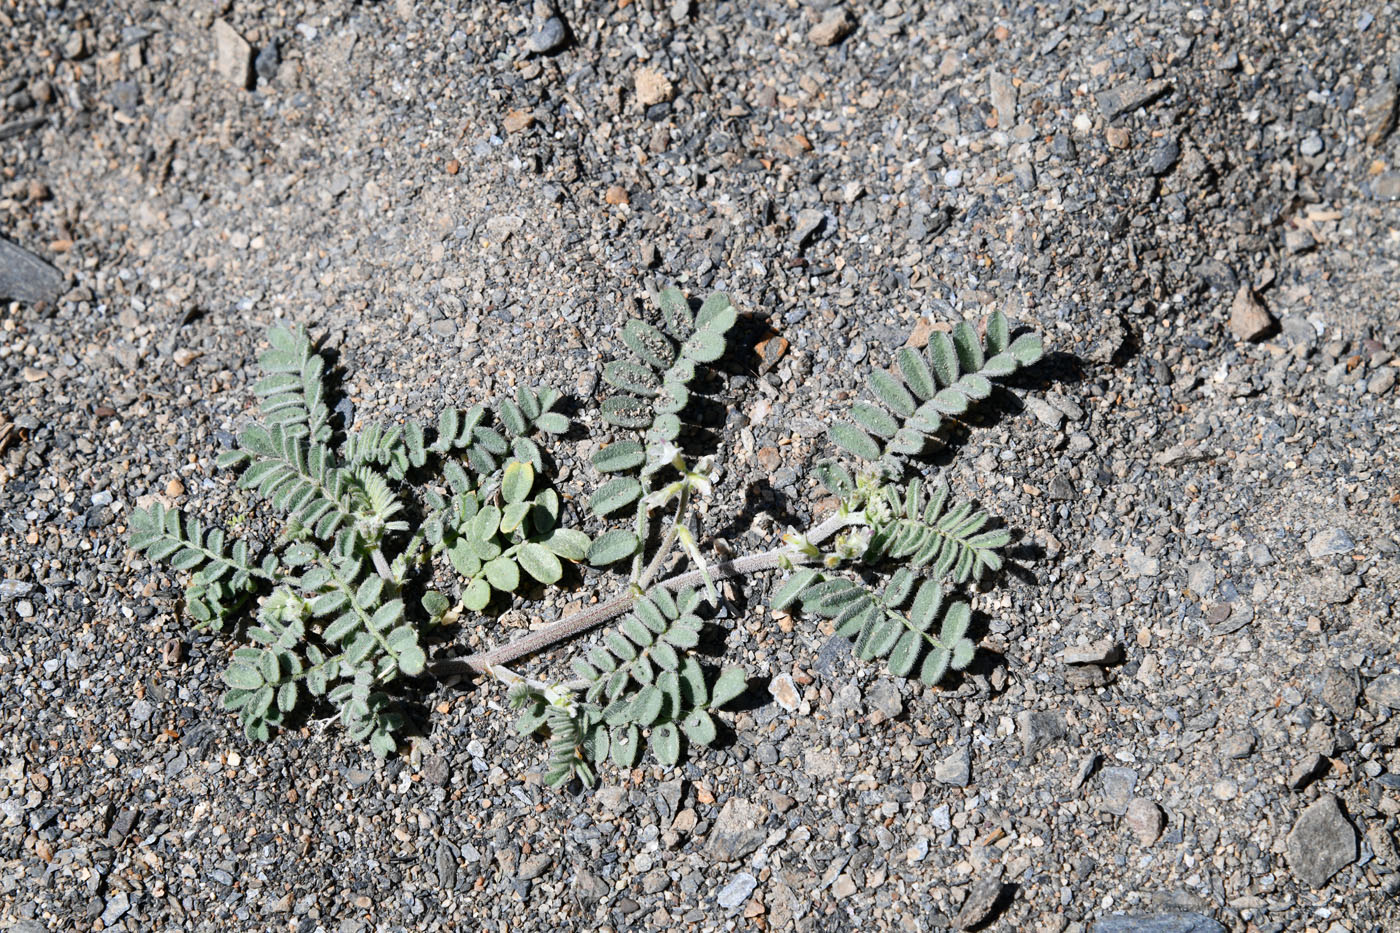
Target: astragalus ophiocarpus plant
column 340, row 600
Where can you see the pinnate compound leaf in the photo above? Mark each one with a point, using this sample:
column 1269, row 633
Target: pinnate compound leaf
column 792, row 588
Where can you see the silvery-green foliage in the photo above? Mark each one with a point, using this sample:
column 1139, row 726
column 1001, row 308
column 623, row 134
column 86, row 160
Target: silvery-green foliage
column 653, row 392
column 332, row 624
column 640, row 684
column 917, row 532
column 953, row 374
column 342, row 593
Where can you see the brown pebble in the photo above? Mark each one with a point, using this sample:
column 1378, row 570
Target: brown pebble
column 519, row 120
column 174, row 488
column 1249, row 319
column 616, row 195
column 653, row 87
column 453, row 167
column 38, row 191
column 1118, row 137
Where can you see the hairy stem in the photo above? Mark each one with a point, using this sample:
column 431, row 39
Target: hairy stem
column 593, row 616
column 667, row 543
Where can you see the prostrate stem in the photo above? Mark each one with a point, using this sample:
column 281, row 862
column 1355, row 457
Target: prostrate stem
column 590, row 618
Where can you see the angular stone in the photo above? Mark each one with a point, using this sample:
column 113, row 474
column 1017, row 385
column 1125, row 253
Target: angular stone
column 1384, row 691
column 25, row 277
column 981, row 902
column 653, row 87
column 738, row 830
column 1103, row 651
column 233, row 55
column 1378, row 110
column 1003, row 93
column 784, row 691
column 1145, row 819
column 1039, row 729
column 806, row 225
column 735, row 893
column 1249, row 320
column 1321, row 843
column 1330, row 541
column 1116, row 789
column 1128, row 97
column 836, row 25
column 956, row 769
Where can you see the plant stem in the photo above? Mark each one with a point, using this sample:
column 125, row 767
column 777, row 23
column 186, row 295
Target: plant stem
column 667, row 543
column 593, row 616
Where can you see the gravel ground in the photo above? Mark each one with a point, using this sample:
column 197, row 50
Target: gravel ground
column 1186, row 709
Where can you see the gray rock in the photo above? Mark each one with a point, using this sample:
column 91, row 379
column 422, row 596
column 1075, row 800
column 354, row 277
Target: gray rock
column 1330, row 541
column 268, row 61
column 733, row 895
column 884, row 699
column 1145, row 819
column 233, row 56
column 1249, row 319
column 806, row 225
column 1128, row 97
column 956, row 769
column 1164, row 156
column 1311, row 145
column 25, row 277
column 1386, row 187
column 1384, row 691
column 1321, row 843
column 436, row 770
column 445, row 860
column 534, row 866
column 549, row 36
column 122, row 826
column 738, row 830
column 1157, row 923
column 1306, row 771
column 1003, row 99
column 589, row 889
column 835, row 25
column 1378, row 110
column 1139, row 563
column 116, row 907
column 981, row 902
column 784, row 692
column 1116, row 786
column 1039, row 729
column 1339, row 690
column 1200, row 578
column 1382, row 382
column 1298, row 241
column 1103, row 651
column 1044, row 412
